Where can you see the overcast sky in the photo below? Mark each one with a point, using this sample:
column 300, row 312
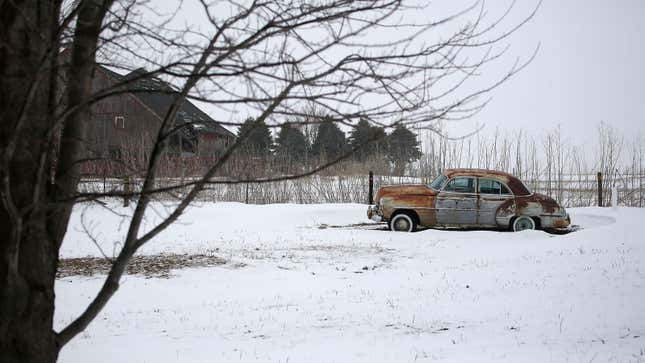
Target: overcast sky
column 590, row 68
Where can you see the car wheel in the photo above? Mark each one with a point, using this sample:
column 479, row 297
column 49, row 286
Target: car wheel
column 403, row 223
column 522, row 223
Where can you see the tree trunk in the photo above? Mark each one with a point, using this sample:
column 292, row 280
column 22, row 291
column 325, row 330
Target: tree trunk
column 28, row 250
column 27, row 299
column 34, row 212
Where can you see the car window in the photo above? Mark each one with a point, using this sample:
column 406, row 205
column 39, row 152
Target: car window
column 505, row 189
column 489, row 186
column 438, row 182
column 461, row 185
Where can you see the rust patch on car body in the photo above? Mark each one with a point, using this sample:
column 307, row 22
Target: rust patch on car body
column 405, row 191
column 416, row 197
column 548, row 203
column 507, row 208
column 521, row 203
column 561, row 223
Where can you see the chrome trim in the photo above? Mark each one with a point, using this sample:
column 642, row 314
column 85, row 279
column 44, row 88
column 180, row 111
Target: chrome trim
column 427, row 208
column 395, row 207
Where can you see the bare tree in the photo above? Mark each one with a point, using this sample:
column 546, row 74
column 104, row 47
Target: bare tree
column 276, row 59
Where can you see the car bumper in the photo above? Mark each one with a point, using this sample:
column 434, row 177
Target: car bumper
column 374, row 213
column 555, row 221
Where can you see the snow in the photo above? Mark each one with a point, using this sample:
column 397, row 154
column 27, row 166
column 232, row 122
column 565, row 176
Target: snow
column 294, row 292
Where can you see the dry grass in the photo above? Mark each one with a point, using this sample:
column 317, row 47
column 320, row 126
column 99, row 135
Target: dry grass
column 150, row 266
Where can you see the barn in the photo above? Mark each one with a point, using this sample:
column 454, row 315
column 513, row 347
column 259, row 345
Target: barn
column 122, row 128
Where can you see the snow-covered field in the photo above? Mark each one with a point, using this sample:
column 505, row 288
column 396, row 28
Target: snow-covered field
column 294, row 292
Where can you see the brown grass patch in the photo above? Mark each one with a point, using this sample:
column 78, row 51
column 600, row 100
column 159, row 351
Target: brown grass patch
column 150, row 266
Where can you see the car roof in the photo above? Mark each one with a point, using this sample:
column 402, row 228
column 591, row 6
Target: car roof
column 516, row 186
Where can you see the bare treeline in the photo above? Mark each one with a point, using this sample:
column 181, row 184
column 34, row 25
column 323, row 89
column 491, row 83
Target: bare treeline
column 563, row 168
column 547, row 163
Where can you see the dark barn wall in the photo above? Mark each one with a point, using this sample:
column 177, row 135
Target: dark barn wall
column 125, row 145
column 117, row 149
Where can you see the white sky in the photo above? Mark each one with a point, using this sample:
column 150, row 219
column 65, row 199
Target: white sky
column 590, row 68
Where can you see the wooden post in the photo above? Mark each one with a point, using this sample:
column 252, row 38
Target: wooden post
column 127, row 189
column 370, row 194
column 599, row 189
column 246, row 187
column 640, row 188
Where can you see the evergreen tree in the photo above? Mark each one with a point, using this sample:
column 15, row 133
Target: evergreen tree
column 259, row 141
column 330, row 141
column 370, row 139
column 403, row 148
column 291, row 144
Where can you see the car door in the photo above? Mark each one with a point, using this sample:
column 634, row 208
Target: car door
column 492, row 194
column 456, row 204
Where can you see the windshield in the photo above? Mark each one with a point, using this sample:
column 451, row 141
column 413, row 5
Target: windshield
column 438, row 182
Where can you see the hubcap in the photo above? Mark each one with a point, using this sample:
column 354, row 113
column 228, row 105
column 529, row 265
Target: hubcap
column 401, row 224
column 523, row 223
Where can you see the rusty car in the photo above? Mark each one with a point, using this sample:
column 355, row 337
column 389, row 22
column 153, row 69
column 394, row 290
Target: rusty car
column 467, row 198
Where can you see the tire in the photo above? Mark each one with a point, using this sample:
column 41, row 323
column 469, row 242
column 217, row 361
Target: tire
column 402, row 222
column 522, row 223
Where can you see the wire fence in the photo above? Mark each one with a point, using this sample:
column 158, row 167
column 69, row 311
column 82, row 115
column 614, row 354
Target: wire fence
column 575, row 190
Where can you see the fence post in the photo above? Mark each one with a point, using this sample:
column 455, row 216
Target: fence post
column 127, row 189
column 599, row 189
column 370, row 194
column 640, row 188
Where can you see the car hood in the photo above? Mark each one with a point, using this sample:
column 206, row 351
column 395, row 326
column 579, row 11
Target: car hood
column 401, row 190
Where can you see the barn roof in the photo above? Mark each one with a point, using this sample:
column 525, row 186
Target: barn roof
column 159, row 95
